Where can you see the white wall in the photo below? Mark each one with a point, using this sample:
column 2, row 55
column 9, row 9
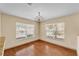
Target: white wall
column 9, row 30
column 71, row 31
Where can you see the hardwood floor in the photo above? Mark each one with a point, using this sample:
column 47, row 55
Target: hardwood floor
column 39, row 48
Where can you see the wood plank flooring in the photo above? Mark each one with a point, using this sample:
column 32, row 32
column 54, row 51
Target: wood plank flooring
column 39, row 48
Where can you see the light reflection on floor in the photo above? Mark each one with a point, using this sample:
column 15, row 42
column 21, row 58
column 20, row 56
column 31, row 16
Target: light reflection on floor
column 40, row 48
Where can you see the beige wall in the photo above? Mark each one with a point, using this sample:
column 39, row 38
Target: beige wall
column 0, row 24
column 2, row 40
column 78, row 45
column 9, row 30
column 71, row 31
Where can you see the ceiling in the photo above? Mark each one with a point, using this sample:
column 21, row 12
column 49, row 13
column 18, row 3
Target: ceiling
column 47, row 10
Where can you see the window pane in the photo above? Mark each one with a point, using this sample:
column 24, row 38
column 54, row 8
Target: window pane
column 55, row 30
column 24, row 30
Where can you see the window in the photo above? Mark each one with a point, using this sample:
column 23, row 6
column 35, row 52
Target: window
column 55, row 31
column 24, row 30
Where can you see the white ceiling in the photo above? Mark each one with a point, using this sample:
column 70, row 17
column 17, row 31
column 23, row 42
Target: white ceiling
column 47, row 10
